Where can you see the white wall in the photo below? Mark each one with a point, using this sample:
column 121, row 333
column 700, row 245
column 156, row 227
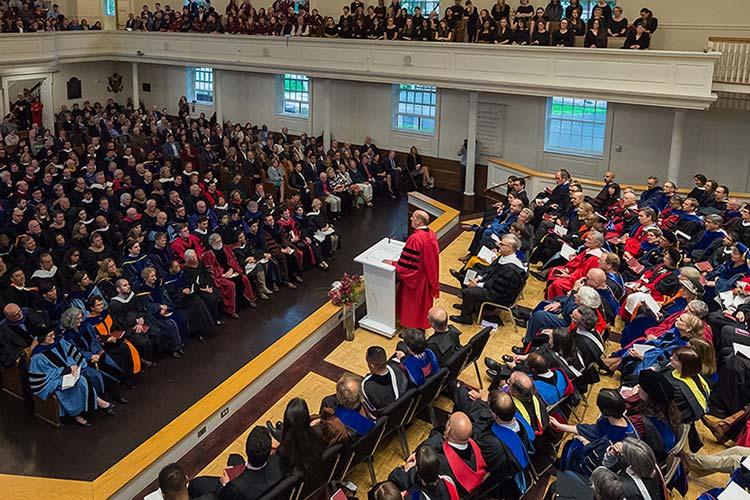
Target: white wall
column 94, row 82
column 637, row 145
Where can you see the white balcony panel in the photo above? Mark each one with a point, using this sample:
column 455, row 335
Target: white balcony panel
column 661, row 78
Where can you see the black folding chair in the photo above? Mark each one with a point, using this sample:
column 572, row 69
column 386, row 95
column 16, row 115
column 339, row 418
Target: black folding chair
column 457, row 362
column 329, row 462
column 287, row 489
column 363, row 449
column 427, row 393
column 478, row 342
column 397, row 413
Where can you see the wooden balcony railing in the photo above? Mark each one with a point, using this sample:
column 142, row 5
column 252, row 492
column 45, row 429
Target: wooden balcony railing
column 734, row 65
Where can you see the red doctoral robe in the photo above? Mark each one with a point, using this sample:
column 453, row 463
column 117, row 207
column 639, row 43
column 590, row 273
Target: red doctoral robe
column 226, row 286
column 578, row 267
column 418, row 271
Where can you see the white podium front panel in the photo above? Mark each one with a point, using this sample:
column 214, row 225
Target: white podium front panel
column 380, row 286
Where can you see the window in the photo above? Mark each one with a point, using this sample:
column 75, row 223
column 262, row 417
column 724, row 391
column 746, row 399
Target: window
column 575, row 126
column 588, row 6
column 109, row 8
column 414, row 108
column 295, row 95
column 200, row 87
column 427, row 6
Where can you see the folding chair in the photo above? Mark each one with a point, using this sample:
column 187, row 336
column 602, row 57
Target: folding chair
column 478, row 342
column 288, row 489
column 330, row 461
column 397, row 413
column 363, row 449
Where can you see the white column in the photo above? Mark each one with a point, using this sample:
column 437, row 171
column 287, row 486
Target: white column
column 45, row 95
column 471, row 145
column 3, row 101
column 218, row 107
column 6, row 98
column 136, row 86
column 323, row 93
column 675, row 150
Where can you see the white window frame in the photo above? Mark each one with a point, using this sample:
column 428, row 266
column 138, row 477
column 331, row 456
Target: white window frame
column 408, row 109
column 298, row 99
column 585, row 125
column 200, row 81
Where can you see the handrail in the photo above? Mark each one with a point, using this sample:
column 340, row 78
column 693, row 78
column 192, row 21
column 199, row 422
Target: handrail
column 590, row 183
column 734, row 65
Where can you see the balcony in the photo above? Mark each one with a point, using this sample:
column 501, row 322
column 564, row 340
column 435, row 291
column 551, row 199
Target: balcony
column 659, row 78
column 732, row 70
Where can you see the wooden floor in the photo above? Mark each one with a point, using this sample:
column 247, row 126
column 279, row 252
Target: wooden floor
column 350, row 356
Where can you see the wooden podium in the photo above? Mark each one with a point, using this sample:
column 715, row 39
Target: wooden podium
column 380, row 286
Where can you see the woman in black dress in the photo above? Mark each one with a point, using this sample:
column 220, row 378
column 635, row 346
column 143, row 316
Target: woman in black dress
column 391, row 30
column 637, row 39
column 444, row 33
column 409, row 32
column 596, row 38
column 471, row 17
column 486, row 34
column 564, row 36
column 577, row 24
column 503, row 32
column 573, row 5
column 500, row 10
column 330, row 30
column 618, row 25
column 540, row 35
column 376, row 30
column 520, row 32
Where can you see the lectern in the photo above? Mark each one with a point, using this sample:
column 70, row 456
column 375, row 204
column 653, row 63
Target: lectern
column 380, row 286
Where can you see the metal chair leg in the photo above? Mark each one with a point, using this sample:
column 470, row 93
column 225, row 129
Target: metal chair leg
column 404, row 440
column 479, row 375
column 433, row 418
column 370, row 465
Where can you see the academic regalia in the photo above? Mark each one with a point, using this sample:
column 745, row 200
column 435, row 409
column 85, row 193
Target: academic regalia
column 691, row 395
column 356, row 424
column 48, row 365
column 108, row 373
column 418, row 278
column 381, row 390
column 199, row 315
column 125, row 312
column 173, row 326
column 554, row 387
column 419, row 367
column 602, row 428
column 132, row 266
column 122, row 351
column 517, row 450
column 578, row 267
column 228, row 286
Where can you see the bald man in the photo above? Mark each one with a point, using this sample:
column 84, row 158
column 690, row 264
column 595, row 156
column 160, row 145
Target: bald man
column 460, row 456
column 418, row 270
column 17, row 332
column 445, row 340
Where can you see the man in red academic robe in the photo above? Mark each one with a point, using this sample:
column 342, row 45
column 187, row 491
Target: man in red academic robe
column 560, row 279
column 418, row 270
column 228, row 275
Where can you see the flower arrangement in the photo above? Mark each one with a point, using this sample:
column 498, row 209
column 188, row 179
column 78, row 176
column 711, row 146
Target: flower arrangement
column 347, row 291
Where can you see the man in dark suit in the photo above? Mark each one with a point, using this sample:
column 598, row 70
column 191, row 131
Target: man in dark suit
column 393, row 172
column 260, row 473
column 557, row 197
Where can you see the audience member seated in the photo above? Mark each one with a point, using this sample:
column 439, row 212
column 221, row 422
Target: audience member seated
column 460, row 457
column 500, row 283
column 418, row 361
column 386, row 381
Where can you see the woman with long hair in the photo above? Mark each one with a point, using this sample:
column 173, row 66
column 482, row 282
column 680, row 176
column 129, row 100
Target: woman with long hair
column 301, row 445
